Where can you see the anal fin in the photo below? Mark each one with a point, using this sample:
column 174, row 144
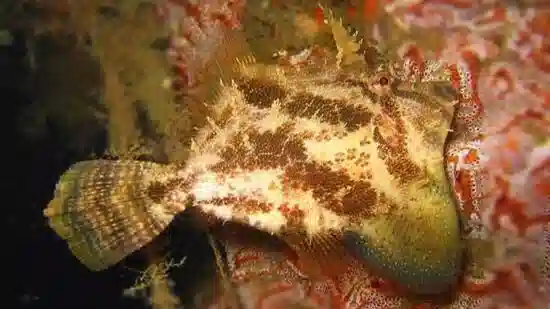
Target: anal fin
column 321, row 256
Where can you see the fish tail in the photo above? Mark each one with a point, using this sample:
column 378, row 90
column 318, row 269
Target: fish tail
column 106, row 210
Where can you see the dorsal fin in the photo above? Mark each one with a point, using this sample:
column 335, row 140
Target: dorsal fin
column 321, row 256
column 223, row 66
column 347, row 44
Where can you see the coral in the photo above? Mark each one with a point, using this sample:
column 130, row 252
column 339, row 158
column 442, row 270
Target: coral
column 196, row 29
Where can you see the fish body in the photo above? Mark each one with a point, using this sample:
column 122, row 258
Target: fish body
column 349, row 149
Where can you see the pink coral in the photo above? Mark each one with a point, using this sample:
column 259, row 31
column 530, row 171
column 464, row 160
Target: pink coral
column 196, row 29
column 509, row 80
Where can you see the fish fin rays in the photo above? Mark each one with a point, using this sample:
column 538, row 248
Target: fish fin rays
column 106, row 210
column 322, row 255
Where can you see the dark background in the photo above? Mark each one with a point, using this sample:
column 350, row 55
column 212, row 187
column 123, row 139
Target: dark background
column 38, row 269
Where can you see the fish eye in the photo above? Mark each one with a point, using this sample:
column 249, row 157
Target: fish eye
column 384, row 81
column 381, row 83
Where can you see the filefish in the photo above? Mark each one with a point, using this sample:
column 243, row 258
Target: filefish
column 346, row 150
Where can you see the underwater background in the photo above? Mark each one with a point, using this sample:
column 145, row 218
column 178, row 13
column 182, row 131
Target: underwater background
column 120, row 79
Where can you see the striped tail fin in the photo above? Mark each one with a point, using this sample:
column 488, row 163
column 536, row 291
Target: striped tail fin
column 106, row 210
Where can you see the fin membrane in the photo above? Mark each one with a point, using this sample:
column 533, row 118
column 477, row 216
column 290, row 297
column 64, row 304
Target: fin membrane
column 106, row 210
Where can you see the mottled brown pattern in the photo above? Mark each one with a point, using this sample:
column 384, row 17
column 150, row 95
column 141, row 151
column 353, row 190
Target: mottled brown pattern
column 396, row 158
column 263, row 93
column 293, row 214
column 349, row 81
column 324, row 182
column 269, row 150
column 328, row 110
column 244, row 204
column 260, row 93
column 392, row 149
column 359, row 200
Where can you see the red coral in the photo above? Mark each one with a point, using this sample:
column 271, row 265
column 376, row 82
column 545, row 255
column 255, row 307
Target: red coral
column 196, row 29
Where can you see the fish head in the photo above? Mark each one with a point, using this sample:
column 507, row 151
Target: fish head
column 414, row 238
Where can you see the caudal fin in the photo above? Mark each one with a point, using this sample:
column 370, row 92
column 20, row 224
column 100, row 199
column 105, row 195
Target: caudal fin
column 106, row 210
